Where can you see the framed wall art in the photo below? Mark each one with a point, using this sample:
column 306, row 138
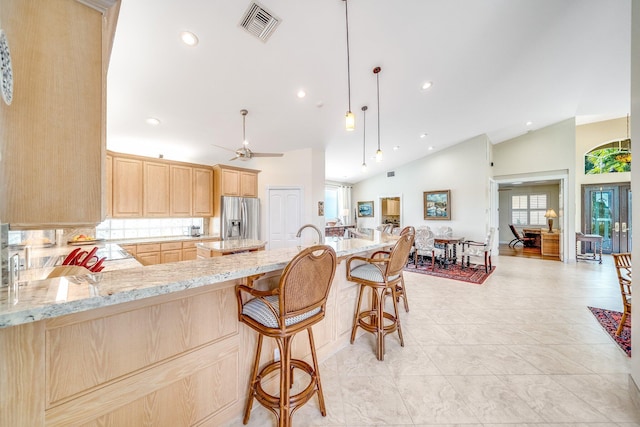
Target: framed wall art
column 437, row 204
column 365, row 209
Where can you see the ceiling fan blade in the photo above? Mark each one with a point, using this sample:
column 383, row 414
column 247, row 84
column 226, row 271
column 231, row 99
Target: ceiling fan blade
column 224, row 148
column 236, row 157
column 254, row 154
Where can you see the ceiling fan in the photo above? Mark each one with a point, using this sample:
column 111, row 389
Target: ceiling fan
column 244, row 153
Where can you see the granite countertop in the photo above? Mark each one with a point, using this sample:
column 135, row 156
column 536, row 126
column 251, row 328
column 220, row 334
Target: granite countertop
column 42, row 299
column 165, row 239
column 233, row 245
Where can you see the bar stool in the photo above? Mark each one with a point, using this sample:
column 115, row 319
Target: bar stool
column 381, row 275
column 296, row 304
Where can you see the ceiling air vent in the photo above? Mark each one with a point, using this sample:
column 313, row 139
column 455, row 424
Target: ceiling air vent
column 259, row 22
column 390, row 174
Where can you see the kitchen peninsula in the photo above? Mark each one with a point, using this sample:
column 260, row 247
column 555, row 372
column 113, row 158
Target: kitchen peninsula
column 157, row 345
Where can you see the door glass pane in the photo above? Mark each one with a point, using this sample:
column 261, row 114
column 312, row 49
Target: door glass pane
column 601, row 217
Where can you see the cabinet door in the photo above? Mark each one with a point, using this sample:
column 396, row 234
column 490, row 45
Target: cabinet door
column 109, row 186
column 202, row 192
column 156, row 189
column 127, row 188
column 149, row 258
column 249, row 184
column 189, row 254
column 181, row 191
column 230, row 182
column 171, row 256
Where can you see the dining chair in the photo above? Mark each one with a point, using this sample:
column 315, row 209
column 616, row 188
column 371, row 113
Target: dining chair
column 471, row 248
column 424, row 246
column 622, row 263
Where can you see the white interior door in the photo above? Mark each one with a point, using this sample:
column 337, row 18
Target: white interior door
column 284, row 217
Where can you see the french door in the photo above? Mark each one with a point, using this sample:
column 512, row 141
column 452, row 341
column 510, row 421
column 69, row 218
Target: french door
column 607, row 212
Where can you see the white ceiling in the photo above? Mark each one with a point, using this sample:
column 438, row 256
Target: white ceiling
column 495, row 64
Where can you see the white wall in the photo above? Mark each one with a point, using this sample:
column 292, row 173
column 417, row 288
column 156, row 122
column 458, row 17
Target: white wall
column 463, row 169
column 635, row 171
column 299, row 168
column 549, row 151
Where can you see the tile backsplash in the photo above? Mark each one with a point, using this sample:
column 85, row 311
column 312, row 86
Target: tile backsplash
column 114, row 229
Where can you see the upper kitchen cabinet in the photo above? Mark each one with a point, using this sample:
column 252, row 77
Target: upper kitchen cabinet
column 202, row 192
column 156, row 189
column 128, row 176
column 232, row 181
column 182, row 191
column 52, row 134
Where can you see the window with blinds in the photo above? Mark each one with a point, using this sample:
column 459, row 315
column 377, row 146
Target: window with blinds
column 528, row 209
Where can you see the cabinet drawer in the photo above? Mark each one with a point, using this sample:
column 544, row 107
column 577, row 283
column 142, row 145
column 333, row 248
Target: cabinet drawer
column 171, row 246
column 131, row 249
column 187, row 245
column 148, row 247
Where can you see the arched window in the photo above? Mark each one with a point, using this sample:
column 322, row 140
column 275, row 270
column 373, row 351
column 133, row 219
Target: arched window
column 611, row 157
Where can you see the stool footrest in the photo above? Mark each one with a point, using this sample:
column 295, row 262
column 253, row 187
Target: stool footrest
column 270, row 401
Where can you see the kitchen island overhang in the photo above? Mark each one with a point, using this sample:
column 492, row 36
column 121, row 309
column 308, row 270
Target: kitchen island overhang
column 166, row 338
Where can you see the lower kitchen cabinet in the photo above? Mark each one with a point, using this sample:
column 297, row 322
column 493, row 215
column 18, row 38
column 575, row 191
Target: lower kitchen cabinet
column 148, row 253
column 170, row 252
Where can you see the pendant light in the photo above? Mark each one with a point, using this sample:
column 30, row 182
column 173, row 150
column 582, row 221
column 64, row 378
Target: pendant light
column 364, row 136
column 376, row 71
column 350, row 118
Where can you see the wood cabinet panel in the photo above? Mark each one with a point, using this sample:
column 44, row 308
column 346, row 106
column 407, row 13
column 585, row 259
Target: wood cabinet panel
column 229, row 182
column 550, row 244
column 149, row 258
column 156, row 184
column 52, row 136
column 189, row 254
column 181, row 191
column 127, row 187
column 202, row 192
column 248, row 184
column 108, row 186
column 111, row 349
column 171, row 256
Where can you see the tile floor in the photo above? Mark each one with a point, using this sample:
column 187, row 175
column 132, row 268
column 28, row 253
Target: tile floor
column 520, row 350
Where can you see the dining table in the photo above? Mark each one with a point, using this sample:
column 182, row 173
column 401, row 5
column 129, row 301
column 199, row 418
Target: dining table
column 449, row 245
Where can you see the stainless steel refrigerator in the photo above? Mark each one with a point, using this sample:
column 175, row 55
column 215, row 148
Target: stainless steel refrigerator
column 240, row 218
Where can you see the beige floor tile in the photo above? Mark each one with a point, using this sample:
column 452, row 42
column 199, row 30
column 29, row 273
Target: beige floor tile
column 372, row 400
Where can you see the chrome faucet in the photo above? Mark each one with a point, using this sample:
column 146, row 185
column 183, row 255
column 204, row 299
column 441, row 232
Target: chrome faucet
column 320, row 236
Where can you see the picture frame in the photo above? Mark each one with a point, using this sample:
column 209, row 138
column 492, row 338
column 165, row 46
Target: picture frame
column 365, row 209
column 437, row 204
column 320, row 208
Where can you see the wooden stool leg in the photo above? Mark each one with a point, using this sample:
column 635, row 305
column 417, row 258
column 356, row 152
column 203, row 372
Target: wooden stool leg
column 404, row 296
column 285, row 381
column 252, row 382
column 323, row 409
column 397, row 314
column 357, row 313
column 380, row 322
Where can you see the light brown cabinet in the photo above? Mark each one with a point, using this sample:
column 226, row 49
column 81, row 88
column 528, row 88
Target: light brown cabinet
column 156, row 187
column 52, row 136
column 550, row 244
column 170, row 252
column 202, row 192
column 181, row 190
column 109, row 186
column 127, row 187
column 232, row 181
column 148, row 253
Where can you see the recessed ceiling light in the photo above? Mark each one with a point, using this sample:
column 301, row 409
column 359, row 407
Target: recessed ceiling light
column 301, row 93
column 189, row 38
column 529, row 123
column 423, row 135
column 396, row 148
column 153, row 121
column 426, row 85
column 430, row 148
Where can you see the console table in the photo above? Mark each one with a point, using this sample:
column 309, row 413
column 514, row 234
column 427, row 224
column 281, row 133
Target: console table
column 596, row 239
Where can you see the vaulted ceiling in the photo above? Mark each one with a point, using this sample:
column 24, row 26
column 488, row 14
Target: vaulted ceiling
column 495, row 66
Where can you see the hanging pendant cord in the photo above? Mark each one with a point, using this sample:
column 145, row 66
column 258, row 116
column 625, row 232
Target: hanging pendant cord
column 346, row 15
column 378, row 90
column 364, row 132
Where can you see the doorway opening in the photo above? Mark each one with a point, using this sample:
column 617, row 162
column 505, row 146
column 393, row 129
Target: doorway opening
column 606, row 211
column 390, row 210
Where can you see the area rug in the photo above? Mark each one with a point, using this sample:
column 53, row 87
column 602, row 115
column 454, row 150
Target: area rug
column 472, row 274
column 609, row 320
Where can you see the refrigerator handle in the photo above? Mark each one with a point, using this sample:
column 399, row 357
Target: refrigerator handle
column 243, row 218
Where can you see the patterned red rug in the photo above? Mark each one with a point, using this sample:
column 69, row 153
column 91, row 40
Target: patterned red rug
column 609, row 320
column 472, row 274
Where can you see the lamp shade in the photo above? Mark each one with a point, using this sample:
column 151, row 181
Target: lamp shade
column 550, row 213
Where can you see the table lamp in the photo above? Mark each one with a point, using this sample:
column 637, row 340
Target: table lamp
column 550, row 214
